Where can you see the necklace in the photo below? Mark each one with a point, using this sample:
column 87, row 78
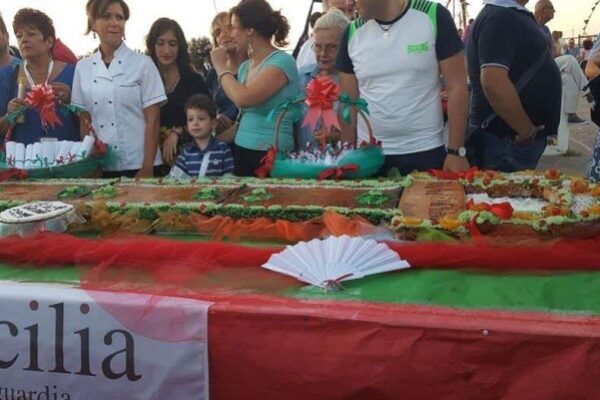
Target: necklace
column 386, row 33
column 30, row 78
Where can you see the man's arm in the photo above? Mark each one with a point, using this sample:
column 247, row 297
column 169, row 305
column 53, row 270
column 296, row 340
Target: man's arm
column 455, row 75
column 504, row 100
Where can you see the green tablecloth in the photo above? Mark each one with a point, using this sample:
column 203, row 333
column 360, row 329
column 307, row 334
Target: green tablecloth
column 574, row 293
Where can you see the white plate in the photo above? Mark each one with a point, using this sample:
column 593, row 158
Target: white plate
column 34, row 212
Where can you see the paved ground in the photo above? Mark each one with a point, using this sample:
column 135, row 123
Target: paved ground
column 581, row 143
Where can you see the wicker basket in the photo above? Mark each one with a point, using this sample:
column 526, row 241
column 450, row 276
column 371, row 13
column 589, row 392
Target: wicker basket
column 90, row 167
column 368, row 158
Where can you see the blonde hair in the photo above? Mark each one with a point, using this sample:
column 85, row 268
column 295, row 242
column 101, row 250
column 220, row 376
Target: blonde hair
column 333, row 18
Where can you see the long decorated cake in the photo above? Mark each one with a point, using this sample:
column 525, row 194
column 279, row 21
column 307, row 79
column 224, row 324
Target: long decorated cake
column 475, row 203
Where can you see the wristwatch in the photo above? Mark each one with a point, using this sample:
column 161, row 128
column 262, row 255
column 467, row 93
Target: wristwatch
column 461, row 151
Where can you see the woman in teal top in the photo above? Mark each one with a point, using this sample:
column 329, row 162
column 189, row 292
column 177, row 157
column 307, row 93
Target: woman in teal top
column 268, row 79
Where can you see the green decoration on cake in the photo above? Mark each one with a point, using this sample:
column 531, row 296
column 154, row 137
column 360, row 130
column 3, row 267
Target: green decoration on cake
column 74, row 192
column 106, row 193
column 208, row 194
column 372, row 198
column 258, row 195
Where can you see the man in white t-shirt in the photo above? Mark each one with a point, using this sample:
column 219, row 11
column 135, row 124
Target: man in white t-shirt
column 306, row 55
column 392, row 57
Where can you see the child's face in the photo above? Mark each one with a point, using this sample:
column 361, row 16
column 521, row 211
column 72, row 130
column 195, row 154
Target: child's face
column 199, row 123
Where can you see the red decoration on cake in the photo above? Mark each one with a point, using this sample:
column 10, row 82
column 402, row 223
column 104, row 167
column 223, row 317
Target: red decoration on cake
column 468, row 174
column 501, row 210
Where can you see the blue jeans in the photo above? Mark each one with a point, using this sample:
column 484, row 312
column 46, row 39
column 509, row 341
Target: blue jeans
column 594, row 166
column 489, row 151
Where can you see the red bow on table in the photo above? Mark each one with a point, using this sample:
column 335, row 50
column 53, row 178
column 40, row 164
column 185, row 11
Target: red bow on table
column 266, row 163
column 453, row 176
column 501, row 210
column 338, row 172
column 41, row 98
column 321, row 95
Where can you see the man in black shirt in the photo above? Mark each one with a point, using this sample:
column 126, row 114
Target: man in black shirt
column 505, row 43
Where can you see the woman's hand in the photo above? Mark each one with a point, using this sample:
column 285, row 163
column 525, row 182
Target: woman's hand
column 62, row 92
column 219, row 58
column 15, row 104
column 223, row 123
column 169, row 147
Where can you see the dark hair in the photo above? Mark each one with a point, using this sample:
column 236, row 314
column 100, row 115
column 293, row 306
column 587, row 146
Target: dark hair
column 313, row 18
column 201, row 102
column 95, row 8
column 2, row 25
column 588, row 44
column 28, row 17
column 259, row 15
column 159, row 27
column 217, row 18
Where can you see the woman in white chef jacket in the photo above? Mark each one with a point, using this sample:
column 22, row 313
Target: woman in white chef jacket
column 122, row 90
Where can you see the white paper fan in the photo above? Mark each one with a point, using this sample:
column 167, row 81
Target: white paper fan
column 327, row 262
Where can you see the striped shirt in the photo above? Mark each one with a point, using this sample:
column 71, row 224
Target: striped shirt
column 189, row 162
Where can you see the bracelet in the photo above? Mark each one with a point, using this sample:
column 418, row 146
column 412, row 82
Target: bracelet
column 222, row 74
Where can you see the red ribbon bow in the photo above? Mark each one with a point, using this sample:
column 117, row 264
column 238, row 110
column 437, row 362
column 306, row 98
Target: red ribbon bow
column 501, row 210
column 338, row 172
column 41, row 98
column 321, row 94
column 266, row 163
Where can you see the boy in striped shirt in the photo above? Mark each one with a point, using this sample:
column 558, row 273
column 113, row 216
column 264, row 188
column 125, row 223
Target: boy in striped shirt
column 205, row 155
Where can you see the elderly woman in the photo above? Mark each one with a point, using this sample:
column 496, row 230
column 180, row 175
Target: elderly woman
column 327, row 35
column 268, row 79
column 221, row 37
column 167, row 47
column 123, row 92
column 36, row 37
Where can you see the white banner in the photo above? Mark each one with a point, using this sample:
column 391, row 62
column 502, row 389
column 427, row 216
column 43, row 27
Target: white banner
column 60, row 343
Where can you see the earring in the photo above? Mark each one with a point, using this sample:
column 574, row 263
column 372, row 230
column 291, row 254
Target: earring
column 250, row 49
column 94, row 35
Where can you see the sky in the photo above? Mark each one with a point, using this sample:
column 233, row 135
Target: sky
column 195, row 16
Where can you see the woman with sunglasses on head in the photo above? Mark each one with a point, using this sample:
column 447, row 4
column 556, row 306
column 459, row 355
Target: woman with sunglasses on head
column 123, row 92
column 268, row 79
column 221, row 37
